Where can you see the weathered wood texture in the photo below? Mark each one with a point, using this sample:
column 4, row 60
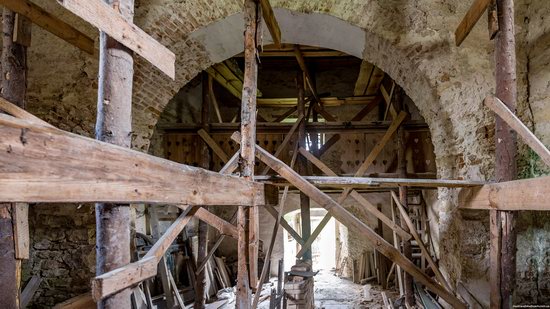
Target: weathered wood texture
column 526, row 194
column 13, row 85
column 50, row 23
column 470, row 19
column 271, row 22
column 345, row 217
column 49, row 165
column 247, row 244
column 497, row 106
column 114, row 126
column 117, row 26
column 506, row 150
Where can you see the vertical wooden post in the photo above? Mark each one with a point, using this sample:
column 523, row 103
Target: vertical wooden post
column 252, row 16
column 403, row 191
column 200, row 281
column 13, row 88
column 503, row 233
column 114, row 125
column 304, row 199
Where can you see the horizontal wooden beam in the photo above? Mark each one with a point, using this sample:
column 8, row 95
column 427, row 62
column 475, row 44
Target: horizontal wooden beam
column 45, row 164
column 326, row 101
column 318, row 127
column 348, row 219
column 50, row 23
column 470, row 19
column 106, row 19
column 271, row 22
column 497, row 106
column 526, row 194
column 370, row 182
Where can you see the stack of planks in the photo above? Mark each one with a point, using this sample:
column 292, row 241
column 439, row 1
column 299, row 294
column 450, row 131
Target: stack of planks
column 364, row 269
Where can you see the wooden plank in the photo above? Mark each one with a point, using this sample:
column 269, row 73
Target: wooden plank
column 363, row 79
column 224, row 82
column 224, row 227
column 396, row 123
column 30, row 289
column 357, row 196
column 526, row 194
column 328, row 144
column 50, row 23
column 275, row 214
column 366, row 110
column 388, row 99
column 22, row 30
column 303, row 67
column 213, row 145
column 84, row 301
column 285, row 141
column 124, row 277
column 345, row 217
column 271, row 22
column 40, row 167
column 420, row 243
column 14, row 110
column 116, row 280
column 496, row 105
column 370, row 182
column 307, row 245
column 21, row 230
column 103, row 17
column 286, row 114
column 247, row 219
column 470, row 19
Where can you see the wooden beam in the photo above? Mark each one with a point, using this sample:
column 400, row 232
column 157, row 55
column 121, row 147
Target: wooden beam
column 470, row 19
column 17, row 112
column 31, row 288
column 108, row 20
column 388, row 99
column 305, row 70
column 247, row 219
column 307, row 245
column 21, row 230
column 366, row 110
column 328, row 144
column 497, row 106
column 50, row 23
column 378, row 148
column 22, row 30
column 357, row 196
column 369, row 182
column 213, row 145
column 420, row 243
column 224, row 227
column 363, row 80
column 285, row 141
column 286, row 114
column 526, row 194
column 345, row 217
column 127, row 276
column 291, row 231
column 122, row 278
column 40, row 167
column 271, row 22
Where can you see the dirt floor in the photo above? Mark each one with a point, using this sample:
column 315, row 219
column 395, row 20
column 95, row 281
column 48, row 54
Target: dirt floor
column 333, row 292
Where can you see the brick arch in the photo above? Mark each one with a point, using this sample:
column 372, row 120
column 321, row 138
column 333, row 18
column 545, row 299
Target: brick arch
column 444, row 84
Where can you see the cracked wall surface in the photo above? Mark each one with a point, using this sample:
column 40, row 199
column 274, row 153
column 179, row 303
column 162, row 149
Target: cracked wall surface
column 411, row 41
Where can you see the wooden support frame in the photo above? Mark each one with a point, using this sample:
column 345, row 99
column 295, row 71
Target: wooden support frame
column 50, row 23
column 517, row 195
column 103, row 17
column 108, row 173
column 497, row 106
column 420, row 243
column 124, row 277
column 345, row 217
column 286, row 140
column 470, row 19
column 213, row 145
column 286, row 114
column 291, row 231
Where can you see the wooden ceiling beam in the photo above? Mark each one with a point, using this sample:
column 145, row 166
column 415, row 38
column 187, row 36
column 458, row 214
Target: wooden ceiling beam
column 50, row 23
